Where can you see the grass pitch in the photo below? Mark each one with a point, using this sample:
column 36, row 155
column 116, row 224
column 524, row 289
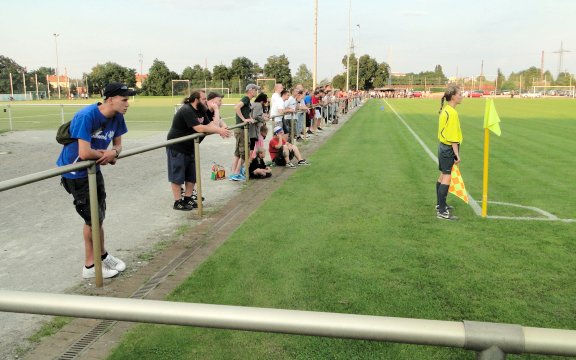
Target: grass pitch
column 356, row 232
column 144, row 113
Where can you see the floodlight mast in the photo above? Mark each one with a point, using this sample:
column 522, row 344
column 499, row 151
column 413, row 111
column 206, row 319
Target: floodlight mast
column 57, row 69
column 315, row 70
column 349, row 47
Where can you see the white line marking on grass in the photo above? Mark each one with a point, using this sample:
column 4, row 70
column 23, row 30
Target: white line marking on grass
column 473, row 203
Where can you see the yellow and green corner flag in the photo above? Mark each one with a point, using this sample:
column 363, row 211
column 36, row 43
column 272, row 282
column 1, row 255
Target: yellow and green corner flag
column 491, row 118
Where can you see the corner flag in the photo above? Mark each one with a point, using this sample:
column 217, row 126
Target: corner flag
column 457, row 184
column 491, row 118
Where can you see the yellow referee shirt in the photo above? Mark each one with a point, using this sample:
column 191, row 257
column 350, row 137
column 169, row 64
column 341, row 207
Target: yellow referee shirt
column 449, row 126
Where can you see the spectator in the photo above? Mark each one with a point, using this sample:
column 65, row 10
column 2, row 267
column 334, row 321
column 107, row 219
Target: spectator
column 94, row 128
column 258, row 169
column 277, row 106
column 282, row 152
column 243, row 115
column 190, row 119
column 260, row 118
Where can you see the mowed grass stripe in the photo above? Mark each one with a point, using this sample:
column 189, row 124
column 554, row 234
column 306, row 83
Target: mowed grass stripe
column 356, row 233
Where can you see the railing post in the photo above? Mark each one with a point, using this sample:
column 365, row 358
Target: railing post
column 95, row 220
column 198, row 175
column 292, row 130
column 246, row 152
column 62, row 113
column 10, row 117
column 493, row 353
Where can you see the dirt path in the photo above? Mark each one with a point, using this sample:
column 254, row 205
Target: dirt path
column 39, row 229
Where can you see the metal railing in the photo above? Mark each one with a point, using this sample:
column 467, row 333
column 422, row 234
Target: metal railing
column 90, row 165
column 61, row 106
column 491, row 341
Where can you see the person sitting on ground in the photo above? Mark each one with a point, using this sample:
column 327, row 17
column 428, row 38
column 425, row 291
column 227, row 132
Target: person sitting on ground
column 258, row 169
column 282, row 152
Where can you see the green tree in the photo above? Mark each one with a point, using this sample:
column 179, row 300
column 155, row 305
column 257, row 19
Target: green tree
column 257, row 71
column 41, row 74
column 303, row 76
column 500, row 78
column 109, row 72
column 221, row 72
column 197, row 75
column 382, row 75
column 159, row 82
column 7, row 67
column 242, row 68
column 565, row 79
column 278, row 67
column 339, row 82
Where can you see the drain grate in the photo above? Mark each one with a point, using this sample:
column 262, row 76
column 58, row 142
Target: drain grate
column 85, row 341
column 96, row 332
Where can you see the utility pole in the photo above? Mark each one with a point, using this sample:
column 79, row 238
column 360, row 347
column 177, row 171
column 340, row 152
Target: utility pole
column 57, row 69
column 349, row 47
column 561, row 57
column 358, row 60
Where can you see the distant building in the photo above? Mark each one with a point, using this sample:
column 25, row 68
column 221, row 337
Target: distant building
column 63, row 79
column 140, row 78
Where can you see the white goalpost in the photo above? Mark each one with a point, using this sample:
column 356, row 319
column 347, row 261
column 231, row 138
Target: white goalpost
column 225, row 92
column 554, row 90
column 181, row 87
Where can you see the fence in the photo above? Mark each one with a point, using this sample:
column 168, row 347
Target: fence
column 61, row 106
column 491, row 341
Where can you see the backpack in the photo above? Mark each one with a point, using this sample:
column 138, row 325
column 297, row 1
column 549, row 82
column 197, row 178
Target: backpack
column 63, row 134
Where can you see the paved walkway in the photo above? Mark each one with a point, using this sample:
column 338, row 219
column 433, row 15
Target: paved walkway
column 39, row 229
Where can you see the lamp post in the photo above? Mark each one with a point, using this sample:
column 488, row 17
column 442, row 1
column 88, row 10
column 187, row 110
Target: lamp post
column 358, row 59
column 141, row 60
column 57, row 69
column 349, row 47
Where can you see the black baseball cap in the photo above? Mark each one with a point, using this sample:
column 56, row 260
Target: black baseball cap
column 117, row 89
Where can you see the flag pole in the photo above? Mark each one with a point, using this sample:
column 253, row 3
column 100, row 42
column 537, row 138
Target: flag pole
column 485, row 174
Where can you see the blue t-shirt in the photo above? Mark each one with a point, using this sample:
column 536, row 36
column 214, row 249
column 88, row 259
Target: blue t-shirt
column 307, row 99
column 90, row 125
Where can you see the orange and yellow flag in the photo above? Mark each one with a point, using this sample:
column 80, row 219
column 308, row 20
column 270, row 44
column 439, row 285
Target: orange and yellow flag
column 457, row 184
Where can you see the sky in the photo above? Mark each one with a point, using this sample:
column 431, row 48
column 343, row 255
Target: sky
column 464, row 37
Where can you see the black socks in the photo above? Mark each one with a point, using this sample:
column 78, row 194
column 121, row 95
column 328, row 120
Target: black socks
column 442, row 194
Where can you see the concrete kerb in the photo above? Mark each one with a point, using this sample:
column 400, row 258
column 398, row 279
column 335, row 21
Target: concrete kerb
column 173, row 264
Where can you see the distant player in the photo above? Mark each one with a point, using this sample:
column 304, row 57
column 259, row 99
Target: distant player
column 450, row 137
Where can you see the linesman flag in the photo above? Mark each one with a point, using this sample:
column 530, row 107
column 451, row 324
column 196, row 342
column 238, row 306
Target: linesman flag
column 491, row 118
column 457, row 184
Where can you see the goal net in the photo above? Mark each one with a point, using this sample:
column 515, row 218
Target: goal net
column 554, row 90
column 180, row 88
column 266, row 85
column 225, row 92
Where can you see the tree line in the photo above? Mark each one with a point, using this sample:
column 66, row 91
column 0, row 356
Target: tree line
column 242, row 70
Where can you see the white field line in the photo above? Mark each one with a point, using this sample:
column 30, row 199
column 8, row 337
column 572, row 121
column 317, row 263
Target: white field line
column 473, row 203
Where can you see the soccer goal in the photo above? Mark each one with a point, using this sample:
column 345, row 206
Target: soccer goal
column 225, row 92
column 180, row 88
column 266, row 85
column 554, row 90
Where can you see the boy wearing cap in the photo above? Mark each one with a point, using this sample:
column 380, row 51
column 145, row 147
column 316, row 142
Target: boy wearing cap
column 243, row 110
column 94, row 128
column 281, row 151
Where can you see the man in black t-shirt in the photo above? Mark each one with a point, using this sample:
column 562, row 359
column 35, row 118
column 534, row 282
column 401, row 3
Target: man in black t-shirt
column 189, row 119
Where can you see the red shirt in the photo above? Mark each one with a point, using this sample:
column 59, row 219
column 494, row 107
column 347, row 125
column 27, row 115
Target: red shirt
column 272, row 147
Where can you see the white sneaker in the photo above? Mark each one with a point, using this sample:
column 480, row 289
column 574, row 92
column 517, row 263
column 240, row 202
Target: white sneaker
column 114, row 263
column 91, row 273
